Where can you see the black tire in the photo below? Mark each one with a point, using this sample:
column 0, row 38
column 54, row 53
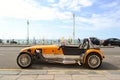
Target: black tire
column 93, row 61
column 24, row 60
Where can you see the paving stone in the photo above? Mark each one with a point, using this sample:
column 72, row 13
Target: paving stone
column 62, row 77
column 9, row 77
column 98, row 78
column 0, row 75
column 45, row 77
column 24, row 74
column 99, row 75
column 80, row 77
column 92, row 72
column 77, row 72
column 114, row 72
column 83, row 73
column 102, row 72
column 6, row 72
column 56, row 72
column 27, row 77
column 29, row 72
column 72, row 72
column 113, row 77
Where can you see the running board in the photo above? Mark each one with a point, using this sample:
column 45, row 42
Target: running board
column 68, row 61
column 63, row 61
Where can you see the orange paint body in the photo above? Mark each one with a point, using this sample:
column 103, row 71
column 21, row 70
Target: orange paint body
column 46, row 49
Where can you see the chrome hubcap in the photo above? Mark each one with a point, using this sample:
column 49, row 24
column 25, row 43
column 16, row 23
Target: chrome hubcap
column 24, row 60
column 93, row 61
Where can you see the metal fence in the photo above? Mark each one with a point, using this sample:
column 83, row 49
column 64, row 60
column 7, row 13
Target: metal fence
column 37, row 41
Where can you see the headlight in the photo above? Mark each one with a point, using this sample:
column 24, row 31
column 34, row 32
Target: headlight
column 38, row 51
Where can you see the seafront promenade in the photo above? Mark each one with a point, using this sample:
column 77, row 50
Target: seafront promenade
column 26, row 74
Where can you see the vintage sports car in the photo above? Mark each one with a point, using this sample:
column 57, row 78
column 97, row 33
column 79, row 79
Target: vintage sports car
column 85, row 54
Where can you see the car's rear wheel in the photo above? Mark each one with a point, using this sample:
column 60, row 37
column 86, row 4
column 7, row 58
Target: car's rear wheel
column 93, row 61
column 24, row 60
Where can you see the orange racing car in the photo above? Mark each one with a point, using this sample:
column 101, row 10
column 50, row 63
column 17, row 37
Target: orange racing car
column 85, row 54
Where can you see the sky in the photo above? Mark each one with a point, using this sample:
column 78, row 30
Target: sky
column 53, row 19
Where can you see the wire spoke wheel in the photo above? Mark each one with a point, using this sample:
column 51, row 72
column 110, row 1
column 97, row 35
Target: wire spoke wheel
column 24, row 60
column 93, row 61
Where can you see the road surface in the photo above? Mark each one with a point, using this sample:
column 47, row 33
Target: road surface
column 8, row 57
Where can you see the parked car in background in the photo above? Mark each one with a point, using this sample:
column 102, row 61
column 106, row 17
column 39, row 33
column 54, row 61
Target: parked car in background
column 13, row 41
column 95, row 40
column 111, row 42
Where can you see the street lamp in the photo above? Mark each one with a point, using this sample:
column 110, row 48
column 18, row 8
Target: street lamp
column 74, row 28
column 27, row 32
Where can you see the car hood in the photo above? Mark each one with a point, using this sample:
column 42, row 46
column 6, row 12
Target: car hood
column 44, row 46
column 39, row 47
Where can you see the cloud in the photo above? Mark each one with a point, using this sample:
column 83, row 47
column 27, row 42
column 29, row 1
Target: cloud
column 107, row 20
column 86, row 3
column 15, row 8
column 64, row 15
column 51, row 1
column 28, row 9
column 73, row 5
column 110, row 4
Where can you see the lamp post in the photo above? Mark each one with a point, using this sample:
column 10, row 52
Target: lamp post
column 27, row 32
column 73, row 28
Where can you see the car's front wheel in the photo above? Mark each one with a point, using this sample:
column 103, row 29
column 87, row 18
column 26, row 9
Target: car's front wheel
column 93, row 61
column 24, row 60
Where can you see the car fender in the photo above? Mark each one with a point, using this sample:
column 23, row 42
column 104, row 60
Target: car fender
column 91, row 51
